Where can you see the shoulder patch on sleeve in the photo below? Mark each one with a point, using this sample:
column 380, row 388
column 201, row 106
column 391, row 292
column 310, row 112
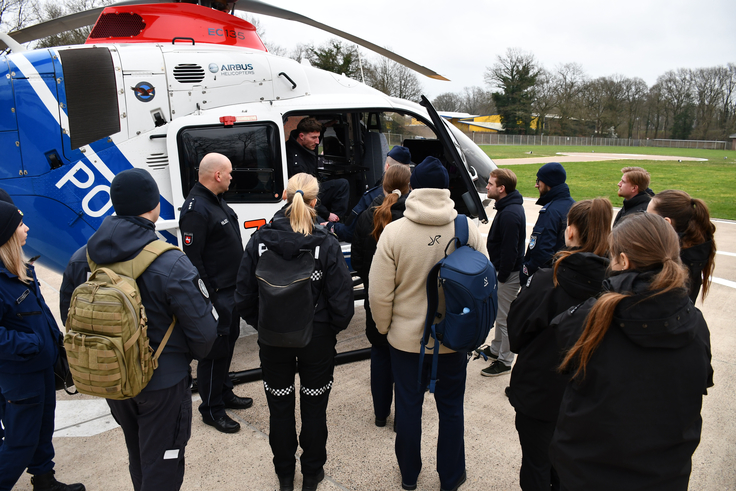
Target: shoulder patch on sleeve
column 188, row 238
column 202, row 288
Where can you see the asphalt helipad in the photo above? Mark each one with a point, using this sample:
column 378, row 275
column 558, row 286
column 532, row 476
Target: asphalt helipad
column 90, row 447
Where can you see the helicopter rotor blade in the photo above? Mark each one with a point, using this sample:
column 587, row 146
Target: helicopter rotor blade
column 258, row 7
column 69, row 22
column 89, row 17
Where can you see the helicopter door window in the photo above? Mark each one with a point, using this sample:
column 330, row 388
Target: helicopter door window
column 254, row 151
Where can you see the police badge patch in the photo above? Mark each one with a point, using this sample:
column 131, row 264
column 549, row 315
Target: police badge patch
column 203, row 288
column 188, row 239
column 532, row 241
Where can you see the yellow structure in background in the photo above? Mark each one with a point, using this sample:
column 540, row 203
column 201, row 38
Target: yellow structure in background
column 469, row 123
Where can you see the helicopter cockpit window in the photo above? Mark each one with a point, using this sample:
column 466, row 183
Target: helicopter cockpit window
column 252, row 148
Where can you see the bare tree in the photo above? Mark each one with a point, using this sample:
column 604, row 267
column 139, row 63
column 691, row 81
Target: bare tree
column 569, row 80
column 475, row 100
column 48, row 10
column 593, row 97
column 635, row 91
column 544, row 99
column 448, row 101
column 14, row 14
column 393, row 79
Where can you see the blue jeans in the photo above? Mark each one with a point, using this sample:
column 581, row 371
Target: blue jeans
column 449, row 395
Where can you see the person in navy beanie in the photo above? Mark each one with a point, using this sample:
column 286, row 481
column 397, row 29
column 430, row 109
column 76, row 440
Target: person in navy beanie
column 29, row 346
column 548, row 235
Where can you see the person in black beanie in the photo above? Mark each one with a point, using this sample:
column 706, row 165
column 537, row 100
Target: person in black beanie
column 157, row 422
column 29, row 346
column 548, row 235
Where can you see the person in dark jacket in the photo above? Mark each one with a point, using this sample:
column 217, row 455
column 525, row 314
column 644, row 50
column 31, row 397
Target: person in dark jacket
column 548, row 233
column 212, row 241
column 506, row 251
column 640, row 361
column 691, row 220
column 536, row 387
column 157, row 422
column 332, row 288
column 386, row 208
column 301, row 156
column 345, row 231
column 633, row 188
column 29, row 347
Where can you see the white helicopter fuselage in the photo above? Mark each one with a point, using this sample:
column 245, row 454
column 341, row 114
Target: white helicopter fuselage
column 173, row 103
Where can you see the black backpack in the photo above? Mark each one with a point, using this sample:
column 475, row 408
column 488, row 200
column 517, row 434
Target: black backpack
column 285, row 301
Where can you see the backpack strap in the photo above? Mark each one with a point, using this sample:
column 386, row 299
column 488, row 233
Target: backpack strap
column 135, row 267
column 165, row 340
column 461, row 229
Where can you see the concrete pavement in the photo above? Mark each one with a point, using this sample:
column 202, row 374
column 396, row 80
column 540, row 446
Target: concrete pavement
column 90, row 447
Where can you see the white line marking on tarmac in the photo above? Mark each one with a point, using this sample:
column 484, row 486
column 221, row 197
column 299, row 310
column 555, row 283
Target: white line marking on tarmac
column 728, row 283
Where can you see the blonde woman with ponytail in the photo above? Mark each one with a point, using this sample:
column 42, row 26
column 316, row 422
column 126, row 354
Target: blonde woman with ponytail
column 639, row 358
column 691, row 220
column 291, row 232
column 536, row 387
column 385, row 208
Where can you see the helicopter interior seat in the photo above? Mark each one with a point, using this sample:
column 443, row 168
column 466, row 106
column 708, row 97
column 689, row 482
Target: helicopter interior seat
column 376, row 149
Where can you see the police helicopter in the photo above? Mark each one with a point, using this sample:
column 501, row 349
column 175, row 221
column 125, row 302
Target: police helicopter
column 159, row 84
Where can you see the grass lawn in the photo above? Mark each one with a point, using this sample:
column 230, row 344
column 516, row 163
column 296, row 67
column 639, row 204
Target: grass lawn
column 522, row 151
column 714, row 182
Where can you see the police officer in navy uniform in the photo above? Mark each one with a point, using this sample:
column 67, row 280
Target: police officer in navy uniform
column 212, row 241
column 302, row 157
column 157, row 422
column 548, row 235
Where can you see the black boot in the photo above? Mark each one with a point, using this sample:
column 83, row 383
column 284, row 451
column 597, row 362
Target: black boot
column 310, row 483
column 286, row 482
column 47, row 482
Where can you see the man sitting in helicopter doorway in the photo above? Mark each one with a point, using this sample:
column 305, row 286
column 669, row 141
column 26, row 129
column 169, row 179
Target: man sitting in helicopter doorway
column 302, row 157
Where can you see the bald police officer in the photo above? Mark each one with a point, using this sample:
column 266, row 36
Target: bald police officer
column 212, row 241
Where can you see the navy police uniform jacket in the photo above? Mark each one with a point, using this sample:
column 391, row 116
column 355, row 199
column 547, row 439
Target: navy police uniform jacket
column 347, row 232
column 29, row 336
column 332, row 284
column 536, row 386
column 170, row 286
column 633, row 421
column 548, row 235
column 506, row 237
column 211, row 239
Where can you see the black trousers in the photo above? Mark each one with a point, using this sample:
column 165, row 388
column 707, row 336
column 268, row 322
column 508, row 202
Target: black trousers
column 213, row 380
column 536, row 472
column 157, row 425
column 316, row 367
column 334, row 196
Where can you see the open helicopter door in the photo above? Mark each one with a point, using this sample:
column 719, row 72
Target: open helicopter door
column 254, row 143
column 454, row 152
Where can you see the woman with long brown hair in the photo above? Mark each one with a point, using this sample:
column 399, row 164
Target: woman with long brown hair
column 385, row 208
column 691, row 220
column 536, row 387
column 639, row 358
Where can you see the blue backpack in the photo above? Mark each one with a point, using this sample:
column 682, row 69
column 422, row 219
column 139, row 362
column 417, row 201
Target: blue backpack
column 468, row 280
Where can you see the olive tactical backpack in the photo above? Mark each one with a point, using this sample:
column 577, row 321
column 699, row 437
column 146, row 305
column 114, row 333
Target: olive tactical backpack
column 107, row 329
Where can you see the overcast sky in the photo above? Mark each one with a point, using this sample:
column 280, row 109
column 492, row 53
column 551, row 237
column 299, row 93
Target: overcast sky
column 460, row 38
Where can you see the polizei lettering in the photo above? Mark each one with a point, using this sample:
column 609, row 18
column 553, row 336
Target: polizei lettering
column 237, row 69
